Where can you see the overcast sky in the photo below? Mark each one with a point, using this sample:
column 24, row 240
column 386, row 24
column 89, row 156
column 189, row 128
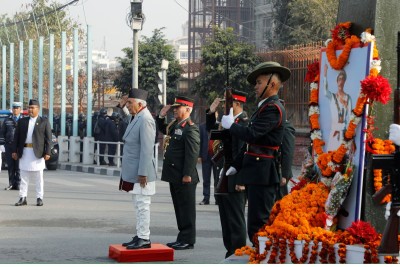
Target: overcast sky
column 108, row 19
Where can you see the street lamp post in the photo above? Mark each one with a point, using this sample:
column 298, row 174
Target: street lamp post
column 164, row 67
column 136, row 20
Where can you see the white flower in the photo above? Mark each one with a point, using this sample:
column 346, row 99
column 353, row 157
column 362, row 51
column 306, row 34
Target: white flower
column 366, row 37
column 327, row 42
column 376, row 62
column 316, row 134
column 333, row 165
column 356, row 120
column 313, row 110
column 313, row 86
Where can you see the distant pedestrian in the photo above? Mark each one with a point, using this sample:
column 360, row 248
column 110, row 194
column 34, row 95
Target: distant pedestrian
column 31, row 146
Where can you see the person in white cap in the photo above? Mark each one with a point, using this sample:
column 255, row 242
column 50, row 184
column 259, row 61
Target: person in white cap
column 6, row 138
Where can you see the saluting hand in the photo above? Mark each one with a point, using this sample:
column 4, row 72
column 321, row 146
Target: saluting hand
column 215, row 105
column 164, row 110
column 227, row 120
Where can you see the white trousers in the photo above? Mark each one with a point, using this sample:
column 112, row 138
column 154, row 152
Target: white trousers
column 142, row 207
column 25, row 177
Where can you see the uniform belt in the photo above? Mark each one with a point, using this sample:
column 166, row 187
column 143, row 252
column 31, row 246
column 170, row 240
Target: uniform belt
column 28, row 145
column 260, row 150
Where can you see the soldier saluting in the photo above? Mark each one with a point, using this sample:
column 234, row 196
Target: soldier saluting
column 179, row 168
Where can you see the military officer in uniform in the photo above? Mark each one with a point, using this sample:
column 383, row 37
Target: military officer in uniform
column 179, row 168
column 6, row 138
column 256, row 163
column 232, row 205
column 32, row 147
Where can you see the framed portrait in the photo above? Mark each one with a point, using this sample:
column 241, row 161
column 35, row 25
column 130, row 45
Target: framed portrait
column 338, row 94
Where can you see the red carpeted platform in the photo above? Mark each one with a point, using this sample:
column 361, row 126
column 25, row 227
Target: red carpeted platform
column 157, row 252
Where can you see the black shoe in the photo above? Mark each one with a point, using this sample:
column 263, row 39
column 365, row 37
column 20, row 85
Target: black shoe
column 134, row 239
column 205, row 202
column 182, row 246
column 140, row 243
column 172, row 244
column 21, row 202
column 8, row 187
column 14, row 188
column 39, row 202
column 112, row 164
column 103, row 163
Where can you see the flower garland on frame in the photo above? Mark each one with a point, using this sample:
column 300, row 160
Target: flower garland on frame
column 337, row 164
column 302, row 215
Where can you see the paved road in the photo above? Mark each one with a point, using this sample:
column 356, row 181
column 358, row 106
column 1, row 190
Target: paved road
column 84, row 213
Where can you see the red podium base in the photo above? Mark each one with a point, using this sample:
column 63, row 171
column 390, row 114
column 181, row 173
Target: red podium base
column 157, row 252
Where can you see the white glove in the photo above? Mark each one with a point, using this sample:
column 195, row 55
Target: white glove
column 387, row 211
column 394, row 134
column 227, row 120
column 230, row 171
column 2, row 149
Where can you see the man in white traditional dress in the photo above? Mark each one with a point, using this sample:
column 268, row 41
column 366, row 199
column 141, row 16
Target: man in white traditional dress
column 31, row 146
column 138, row 165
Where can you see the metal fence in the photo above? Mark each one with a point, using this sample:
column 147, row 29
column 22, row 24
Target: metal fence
column 296, row 91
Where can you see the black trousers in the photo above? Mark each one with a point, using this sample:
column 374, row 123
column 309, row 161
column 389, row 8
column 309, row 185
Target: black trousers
column 261, row 199
column 207, row 167
column 14, row 178
column 184, row 200
column 233, row 223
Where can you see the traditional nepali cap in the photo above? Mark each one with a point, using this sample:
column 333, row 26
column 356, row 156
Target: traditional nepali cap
column 138, row 94
column 16, row 104
column 268, row 68
column 239, row 96
column 34, row 102
column 183, row 101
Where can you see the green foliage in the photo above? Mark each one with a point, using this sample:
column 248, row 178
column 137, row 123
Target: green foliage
column 213, row 78
column 151, row 52
column 301, row 21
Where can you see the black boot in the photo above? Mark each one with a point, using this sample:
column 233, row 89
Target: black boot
column 21, row 202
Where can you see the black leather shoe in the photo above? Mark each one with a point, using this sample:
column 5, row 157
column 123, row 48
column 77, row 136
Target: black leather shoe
column 205, row 202
column 140, row 243
column 182, row 246
column 103, row 163
column 14, row 188
column 39, row 202
column 112, row 164
column 172, row 244
column 21, row 202
column 8, row 187
column 134, row 239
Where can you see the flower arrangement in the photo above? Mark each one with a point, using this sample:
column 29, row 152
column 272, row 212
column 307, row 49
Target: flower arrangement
column 309, row 212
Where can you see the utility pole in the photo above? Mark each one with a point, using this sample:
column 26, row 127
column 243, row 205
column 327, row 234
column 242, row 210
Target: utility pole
column 136, row 20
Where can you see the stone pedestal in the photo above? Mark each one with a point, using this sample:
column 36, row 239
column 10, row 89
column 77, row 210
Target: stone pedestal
column 63, row 146
column 74, row 149
column 88, row 150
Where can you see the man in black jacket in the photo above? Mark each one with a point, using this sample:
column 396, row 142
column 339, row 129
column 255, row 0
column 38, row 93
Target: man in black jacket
column 31, row 146
column 232, row 205
column 179, row 168
column 6, row 138
column 256, row 163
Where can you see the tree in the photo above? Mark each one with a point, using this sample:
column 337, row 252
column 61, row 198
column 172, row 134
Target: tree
column 215, row 54
column 301, row 21
column 38, row 18
column 151, row 51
